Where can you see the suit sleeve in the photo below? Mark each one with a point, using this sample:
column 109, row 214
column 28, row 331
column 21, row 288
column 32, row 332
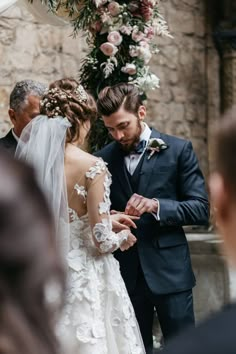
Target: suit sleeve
column 192, row 206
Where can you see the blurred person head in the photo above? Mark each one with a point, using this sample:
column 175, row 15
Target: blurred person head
column 29, row 264
column 24, row 103
column 123, row 112
column 68, row 98
column 223, row 182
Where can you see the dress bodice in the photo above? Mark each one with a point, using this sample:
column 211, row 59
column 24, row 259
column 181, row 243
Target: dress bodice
column 93, row 230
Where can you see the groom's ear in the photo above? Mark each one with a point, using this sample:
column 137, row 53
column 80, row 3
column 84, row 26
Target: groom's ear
column 142, row 112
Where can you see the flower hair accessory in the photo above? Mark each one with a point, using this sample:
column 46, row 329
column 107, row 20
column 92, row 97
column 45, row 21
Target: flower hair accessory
column 82, row 95
column 53, row 96
column 155, row 145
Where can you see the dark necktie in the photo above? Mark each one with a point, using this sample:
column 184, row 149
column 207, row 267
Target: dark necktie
column 139, row 148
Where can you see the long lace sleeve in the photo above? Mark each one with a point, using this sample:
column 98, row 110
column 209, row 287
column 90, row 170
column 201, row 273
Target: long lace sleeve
column 98, row 205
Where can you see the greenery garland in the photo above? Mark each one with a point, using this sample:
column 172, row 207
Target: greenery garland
column 120, row 36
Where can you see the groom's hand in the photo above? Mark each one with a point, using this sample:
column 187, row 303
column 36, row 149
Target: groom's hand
column 138, row 205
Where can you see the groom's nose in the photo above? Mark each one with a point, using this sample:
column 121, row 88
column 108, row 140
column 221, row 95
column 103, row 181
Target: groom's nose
column 118, row 135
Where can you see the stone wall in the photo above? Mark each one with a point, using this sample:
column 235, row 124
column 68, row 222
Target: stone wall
column 187, row 66
column 29, row 50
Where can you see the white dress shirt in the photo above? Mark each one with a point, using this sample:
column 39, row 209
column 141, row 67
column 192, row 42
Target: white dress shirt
column 132, row 161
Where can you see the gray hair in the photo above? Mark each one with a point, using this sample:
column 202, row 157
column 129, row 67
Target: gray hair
column 23, row 89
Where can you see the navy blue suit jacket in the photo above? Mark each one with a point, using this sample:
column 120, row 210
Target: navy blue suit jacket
column 174, row 178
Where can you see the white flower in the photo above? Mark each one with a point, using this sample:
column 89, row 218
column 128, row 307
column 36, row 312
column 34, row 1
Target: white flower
column 133, row 51
column 115, row 38
column 108, row 49
column 160, row 27
column 106, row 18
column 146, row 81
column 155, row 145
column 129, row 69
column 126, row 29
column 99, row 3
column 109, row 66
column 144, row 51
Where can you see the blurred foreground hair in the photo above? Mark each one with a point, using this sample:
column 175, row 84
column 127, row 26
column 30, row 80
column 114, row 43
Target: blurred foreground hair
column 225, row 139
column 29, row 264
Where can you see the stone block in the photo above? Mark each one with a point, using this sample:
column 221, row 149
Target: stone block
column 181, row 21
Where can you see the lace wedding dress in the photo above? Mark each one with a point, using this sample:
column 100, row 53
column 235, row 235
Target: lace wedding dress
column 98, row 317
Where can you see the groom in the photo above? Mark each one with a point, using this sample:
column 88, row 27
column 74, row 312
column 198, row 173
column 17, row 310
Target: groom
column 161, row 182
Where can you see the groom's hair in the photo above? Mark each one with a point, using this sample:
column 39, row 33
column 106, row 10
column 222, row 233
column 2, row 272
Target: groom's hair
column 22, row 90
column 111, row 98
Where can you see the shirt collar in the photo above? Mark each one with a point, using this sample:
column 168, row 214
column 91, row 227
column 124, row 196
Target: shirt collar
column 15, row 136
column 145, row 135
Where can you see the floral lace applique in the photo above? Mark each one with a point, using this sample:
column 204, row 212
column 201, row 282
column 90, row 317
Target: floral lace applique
column 109, row 241
column 98, row 168
column 81, row 190
column 73, row 215
column 104, row 207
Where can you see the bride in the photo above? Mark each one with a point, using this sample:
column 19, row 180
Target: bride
column 98, row 317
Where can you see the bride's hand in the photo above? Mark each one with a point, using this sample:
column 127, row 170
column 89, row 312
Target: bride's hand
column 131, row 240
column 121, row 221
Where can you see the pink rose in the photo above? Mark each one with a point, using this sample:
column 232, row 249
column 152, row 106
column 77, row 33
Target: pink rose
column 114, row 8
column 137, row 35
column 108, row 49
column 115, row 38
column 149, row 32
column 129, row 69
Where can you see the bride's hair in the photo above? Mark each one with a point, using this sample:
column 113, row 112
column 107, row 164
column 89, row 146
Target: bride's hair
column 68, row 98
column 29, row 264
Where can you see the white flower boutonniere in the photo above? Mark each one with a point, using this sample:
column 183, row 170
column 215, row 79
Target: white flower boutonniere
column 155, row 145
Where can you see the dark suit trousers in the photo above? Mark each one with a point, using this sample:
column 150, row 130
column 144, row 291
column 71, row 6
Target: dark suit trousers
column 175, row 311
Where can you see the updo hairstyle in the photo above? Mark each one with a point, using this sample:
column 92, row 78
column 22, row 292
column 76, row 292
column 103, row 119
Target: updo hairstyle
column 67, row 98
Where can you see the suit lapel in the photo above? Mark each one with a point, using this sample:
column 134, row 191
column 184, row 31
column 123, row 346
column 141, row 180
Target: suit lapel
column 147, row 167
column 119, row 173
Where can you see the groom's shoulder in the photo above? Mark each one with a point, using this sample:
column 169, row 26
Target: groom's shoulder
column 107, row 151
column 174, row 141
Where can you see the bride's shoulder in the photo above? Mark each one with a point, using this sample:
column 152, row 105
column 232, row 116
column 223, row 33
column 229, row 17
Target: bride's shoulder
column 86, row 162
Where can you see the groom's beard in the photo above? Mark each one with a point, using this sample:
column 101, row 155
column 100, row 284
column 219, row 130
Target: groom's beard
column 127, row 148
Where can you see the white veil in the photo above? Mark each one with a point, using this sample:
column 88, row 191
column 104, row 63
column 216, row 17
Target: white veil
column 42, row 145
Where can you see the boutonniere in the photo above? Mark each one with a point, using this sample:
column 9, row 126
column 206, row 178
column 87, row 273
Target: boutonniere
column 155, row 145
